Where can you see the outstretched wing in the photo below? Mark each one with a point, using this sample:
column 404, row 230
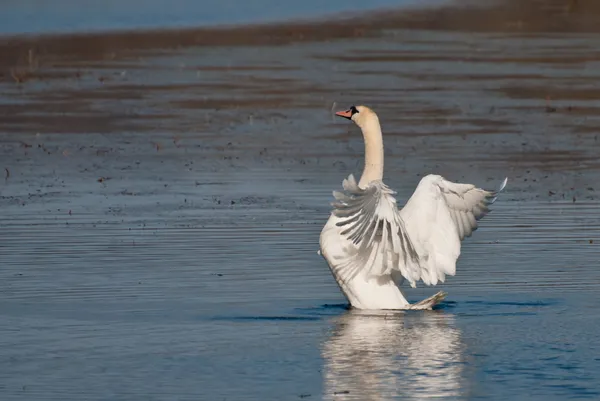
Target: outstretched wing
column 438, row 216
column 369, row 219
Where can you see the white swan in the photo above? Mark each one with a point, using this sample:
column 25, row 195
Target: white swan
column 372, row 247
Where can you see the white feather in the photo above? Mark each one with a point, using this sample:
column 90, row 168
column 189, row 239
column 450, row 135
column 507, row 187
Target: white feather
column 421, row 241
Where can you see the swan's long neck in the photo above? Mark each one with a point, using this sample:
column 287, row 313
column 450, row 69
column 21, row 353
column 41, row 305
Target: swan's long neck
column 373, row 152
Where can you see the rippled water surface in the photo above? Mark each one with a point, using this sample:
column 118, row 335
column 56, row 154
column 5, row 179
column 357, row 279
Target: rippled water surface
column 39, row 16
column 161, row 208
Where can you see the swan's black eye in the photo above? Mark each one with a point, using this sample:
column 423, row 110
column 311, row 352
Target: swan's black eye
column 353, row 110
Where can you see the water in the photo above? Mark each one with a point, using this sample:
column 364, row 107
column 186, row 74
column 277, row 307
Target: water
column 161, row 208
column 39, row 16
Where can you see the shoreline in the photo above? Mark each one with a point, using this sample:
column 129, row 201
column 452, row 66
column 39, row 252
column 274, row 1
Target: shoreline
column 507, row 16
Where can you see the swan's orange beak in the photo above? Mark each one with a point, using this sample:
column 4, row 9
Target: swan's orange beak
column 346, row 114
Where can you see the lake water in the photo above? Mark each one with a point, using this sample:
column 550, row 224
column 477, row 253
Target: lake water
column 39, row 16
column 162, row 201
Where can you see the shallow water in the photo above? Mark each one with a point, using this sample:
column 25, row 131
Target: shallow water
column 161, row 209
column 42, row 17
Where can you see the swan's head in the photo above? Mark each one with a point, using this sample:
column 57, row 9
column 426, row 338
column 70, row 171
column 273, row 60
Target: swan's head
column 361, row 115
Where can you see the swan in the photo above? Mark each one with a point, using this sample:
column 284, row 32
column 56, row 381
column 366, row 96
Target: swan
column 372, row 247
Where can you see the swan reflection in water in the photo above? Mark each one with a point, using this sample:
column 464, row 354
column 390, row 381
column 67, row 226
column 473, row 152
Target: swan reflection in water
column 383, row 356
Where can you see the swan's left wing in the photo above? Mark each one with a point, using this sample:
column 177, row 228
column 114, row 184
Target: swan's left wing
column 370, row 219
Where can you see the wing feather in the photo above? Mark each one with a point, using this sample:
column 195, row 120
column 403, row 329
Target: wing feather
column 371, row 221
column 421, row 241
column 438, row 216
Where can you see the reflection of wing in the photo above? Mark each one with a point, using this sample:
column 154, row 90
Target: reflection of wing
column 392, row 356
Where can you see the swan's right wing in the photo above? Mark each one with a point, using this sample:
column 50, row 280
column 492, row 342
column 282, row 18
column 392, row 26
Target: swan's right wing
column 438, row 216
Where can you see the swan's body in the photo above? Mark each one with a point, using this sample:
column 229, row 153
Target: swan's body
column 372, row 247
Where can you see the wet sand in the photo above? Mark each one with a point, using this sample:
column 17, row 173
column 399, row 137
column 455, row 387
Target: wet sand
column 163, row 193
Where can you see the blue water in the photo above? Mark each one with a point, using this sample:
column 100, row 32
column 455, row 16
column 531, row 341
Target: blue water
column 40, row 16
